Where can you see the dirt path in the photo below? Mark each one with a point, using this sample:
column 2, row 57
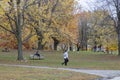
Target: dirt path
column 106, row 74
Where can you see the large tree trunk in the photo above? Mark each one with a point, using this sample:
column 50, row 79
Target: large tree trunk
column 20, row 53
column 19, row 40
column 56, row 42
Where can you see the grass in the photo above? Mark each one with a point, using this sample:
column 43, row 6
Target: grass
column 82, row 59
column 18, row 73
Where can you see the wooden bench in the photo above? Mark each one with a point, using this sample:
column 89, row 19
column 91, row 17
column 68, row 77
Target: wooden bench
column 35, row 57
column 6, row 50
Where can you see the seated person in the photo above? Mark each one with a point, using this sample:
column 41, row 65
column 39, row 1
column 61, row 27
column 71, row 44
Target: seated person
column 5, row 50
column 37, row 54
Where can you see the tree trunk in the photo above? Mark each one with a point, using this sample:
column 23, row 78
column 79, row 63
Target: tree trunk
column 40, row 39
column 20, row 53
column 70, row 46
column 118, row 29
column 19, row 37
column 119, row 44
column 118, row 32
column 83, row 43
column 19, row 40
column 19, row 31
column 56, row 42
column 40, row 46
column 78, row 46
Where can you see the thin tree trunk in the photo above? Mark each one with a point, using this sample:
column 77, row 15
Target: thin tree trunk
column 19, row 31
column 118, row 32
column 119, row 44
column 118, row 28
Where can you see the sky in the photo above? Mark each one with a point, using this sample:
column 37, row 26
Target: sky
column 86, row 4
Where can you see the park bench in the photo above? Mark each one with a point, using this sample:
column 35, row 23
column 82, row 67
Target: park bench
column 35, row 57
column 6, row 50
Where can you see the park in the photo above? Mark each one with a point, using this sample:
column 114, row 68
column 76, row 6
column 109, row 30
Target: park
column 59, row 40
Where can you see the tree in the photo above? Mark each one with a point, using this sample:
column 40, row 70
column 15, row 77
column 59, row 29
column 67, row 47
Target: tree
column 62, row 18
column 50, row 17
column 14, row 21
column 41, row 19
column 96, row 28
column 83, row 31
column 99, row 23
column 113, row 6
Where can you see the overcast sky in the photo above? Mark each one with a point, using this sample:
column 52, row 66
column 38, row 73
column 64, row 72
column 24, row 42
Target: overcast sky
column 86, row 4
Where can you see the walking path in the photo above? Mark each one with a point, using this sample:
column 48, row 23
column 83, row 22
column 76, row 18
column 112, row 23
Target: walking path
column 106, row 74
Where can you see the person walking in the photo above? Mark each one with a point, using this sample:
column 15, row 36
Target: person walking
column 66, row 60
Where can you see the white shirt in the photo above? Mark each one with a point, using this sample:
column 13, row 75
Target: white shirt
column 65, row 55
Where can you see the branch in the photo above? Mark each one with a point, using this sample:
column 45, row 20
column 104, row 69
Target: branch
column 6, row 29
column 33, row 3
column 52, row 11
column 54, row 6
column 7, row 14
column 28, row 37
